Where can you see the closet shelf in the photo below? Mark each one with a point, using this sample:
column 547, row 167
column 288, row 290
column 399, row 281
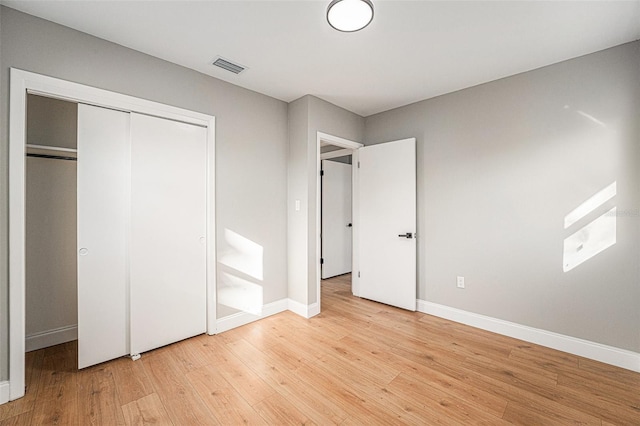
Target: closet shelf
column 51, row 148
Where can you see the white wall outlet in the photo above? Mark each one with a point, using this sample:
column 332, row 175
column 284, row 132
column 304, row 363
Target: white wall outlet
column 460, row 282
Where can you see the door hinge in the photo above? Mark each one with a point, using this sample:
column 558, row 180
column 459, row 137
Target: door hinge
column 358, row 164
column 321, row 172
column 321, row 261
column 358, row 274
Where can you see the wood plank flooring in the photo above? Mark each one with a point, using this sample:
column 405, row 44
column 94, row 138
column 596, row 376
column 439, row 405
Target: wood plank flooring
column 359, row 362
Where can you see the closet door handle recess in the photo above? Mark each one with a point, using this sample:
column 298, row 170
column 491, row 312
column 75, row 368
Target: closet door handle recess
column 83, row 251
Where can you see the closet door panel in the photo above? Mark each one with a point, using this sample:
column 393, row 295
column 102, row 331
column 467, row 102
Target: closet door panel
column 103, row 138
column 168, row 229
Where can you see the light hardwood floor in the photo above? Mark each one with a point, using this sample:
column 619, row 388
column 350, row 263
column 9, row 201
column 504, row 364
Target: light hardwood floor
column 359, row 362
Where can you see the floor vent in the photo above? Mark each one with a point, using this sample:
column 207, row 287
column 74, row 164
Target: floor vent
column 228, row 65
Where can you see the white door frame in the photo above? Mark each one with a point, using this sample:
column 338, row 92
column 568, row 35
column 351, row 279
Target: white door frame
column 352, row 147
column 23, row 83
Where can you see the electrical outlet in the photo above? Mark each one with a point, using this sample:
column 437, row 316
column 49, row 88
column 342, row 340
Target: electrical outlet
column 460, row 282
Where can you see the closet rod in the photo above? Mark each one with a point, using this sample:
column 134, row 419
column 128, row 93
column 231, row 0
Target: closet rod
column 51, row 148
column 52, row 157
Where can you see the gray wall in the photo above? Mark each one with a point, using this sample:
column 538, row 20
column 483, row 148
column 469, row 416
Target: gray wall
column 51, row 268
column 251, row 134
column 297, row 186
column 52, row 122
column 499, row 167
column 307, row 116
column 4, row 276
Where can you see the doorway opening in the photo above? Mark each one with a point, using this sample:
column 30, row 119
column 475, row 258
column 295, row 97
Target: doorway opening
column 337, row 247
column 336, row 211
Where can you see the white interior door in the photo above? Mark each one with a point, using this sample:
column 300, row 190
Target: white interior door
column 103, row 139
column 168, row 229
column 336, row 218
column 387, row 205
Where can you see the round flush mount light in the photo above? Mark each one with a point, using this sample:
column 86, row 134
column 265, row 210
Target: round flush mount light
column 350, row 15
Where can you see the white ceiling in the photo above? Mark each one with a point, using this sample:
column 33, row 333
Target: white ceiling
column 413, row 50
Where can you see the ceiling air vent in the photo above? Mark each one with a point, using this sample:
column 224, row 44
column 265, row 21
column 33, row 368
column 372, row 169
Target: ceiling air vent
column 228, row 65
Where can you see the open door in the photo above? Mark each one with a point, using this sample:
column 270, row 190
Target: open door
column 336, row 218
column 387, row 241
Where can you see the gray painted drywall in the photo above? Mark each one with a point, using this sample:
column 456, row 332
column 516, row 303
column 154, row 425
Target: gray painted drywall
column 4, row 253
column 329, row 148
column 307, row 116
column 297, row 186
column 51, row 268
column 345, row 159
column 499, row 167
column 251, row 135
column 51, row 291
column 51, row 122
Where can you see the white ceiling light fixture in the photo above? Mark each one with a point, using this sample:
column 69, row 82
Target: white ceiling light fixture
column 350, row 15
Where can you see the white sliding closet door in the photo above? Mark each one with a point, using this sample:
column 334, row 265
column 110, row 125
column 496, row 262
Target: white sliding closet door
column 103, row 140
column 168, row 228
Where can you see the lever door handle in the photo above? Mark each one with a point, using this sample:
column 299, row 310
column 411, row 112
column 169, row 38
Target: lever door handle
column 407, row 235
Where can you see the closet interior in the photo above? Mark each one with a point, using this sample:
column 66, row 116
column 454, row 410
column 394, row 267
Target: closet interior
column 51, row 267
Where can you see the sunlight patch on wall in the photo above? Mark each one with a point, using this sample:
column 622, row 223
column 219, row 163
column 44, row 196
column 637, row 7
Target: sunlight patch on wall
column 243, row 255
column 587, row 116
column 593, row 238
column 241, row 271
column 240, row 294
column 590, row 205
column 591, row 118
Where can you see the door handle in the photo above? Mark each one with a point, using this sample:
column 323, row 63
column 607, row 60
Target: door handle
column 349, row 225
column 408, row 235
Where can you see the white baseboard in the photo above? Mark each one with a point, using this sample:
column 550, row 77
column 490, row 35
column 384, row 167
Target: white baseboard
column 242, row 318
column 313, row 310
column 4, row 392
column 306, row 311
column 48, row 338
column 584, row 348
